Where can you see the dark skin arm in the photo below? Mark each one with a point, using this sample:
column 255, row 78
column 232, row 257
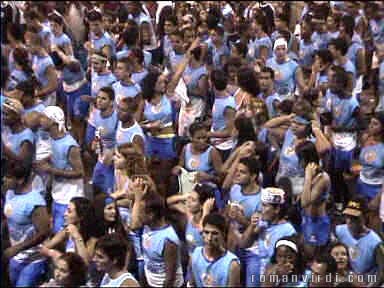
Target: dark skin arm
column 26, row 152
column 234, row 275
column 170, row 252
column 52, row 83
column 40, row 220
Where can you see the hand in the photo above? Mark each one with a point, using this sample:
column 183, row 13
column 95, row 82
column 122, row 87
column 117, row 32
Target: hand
column 176, row 170
column 88, row 45
column 247, row 149
column 310, row 170
column 208, row 205
column 194, row 44
column 10, row 252
column 255, row 218
column 284, row 269
column 202, row 176
column 315, row 125
column 139, row 188
column 72, row 231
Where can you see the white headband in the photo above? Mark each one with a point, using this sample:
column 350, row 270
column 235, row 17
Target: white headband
column 56, row 114
column 288, row 243
column 280, row 42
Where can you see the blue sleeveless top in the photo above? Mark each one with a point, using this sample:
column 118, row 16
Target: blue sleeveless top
column 372, row 160
column 218, row 120
column 211, row 273
column 251, row 203
column 104, row 40
column 40, row 64
column 193, row 237
column 306, row 53
column 60, row 152
column 123, row 90
column 162, row 111
column 108, row 127
column 192, row 76
column 126, row 135
column 15, row 141
column 61, row 41
column 201, row 162
column 272, row 112
column 284, row 75
column 102, row 80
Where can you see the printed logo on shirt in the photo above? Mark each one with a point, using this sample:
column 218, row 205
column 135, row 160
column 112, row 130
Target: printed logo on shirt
column 8, row 210
column 370, row 156
column 278, row 75
column 290, row 150
column 190, row 239
column 194, row 163
column 354, row 252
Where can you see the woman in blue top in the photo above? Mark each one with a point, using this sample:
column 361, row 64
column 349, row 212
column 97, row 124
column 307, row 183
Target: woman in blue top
column 316, row 224
column 60, row 39
column 371, row 168
column 23, row 69
column 28, row 225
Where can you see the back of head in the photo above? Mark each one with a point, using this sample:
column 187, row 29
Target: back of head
column 219, row 80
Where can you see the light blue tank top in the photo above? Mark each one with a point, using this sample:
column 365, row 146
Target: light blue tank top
column 108, row 126
column 15, row 141
column 361, row 251
column 217, row 55
column 306, row 53
column 104, row 40
column 352, row 52
column 272, row 112
column 139, row 76
column 251, row 203
column 193, row 237
column 162, row 111
column 39, row 107
column 102, row 80
column 60, row 151
column 40, row 65
column 257, row 44
column 284, row 75
column 218, row 120
column 192, row 76
column 61, row 41
column 175, row 59
column 211, row 273
column 123, row 90
column 126, row 135
column 201, row 162
column 372, row 160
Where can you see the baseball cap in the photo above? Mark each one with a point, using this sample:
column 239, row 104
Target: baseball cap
column 272, row 195
column 355, row 207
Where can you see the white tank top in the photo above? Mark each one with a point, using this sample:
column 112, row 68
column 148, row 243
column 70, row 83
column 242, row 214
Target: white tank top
column 109, row 282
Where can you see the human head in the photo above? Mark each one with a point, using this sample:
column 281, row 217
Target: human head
column 259, row 23
column 126, row 108
column 338, row 80
column 177, row 39
column 307, row 153
column 12, row 111
column 306, row 29
column 105, row 98
column 339, row 251
column 376, row 125
column 217, row 34
column 70, row 270
column 247, row 171
column 273, row 200
column 146, row 33
column 280, row 49
column 266, row 79
column 124, row 68
column 154, row 83
column 21, row 58
column 231, row 68
column 245, row 130
column 95, row 20
column 170, row 24
column 257, row 111
column 215, row 229
column 338, row 47
column 18, row 173
column 354, row 214
column 131, row 34
column 322, row 265
column 110, row 252
column 197, row 197
column 346, row 27
column 239, row 49
column 199, row 135
column 99, row 62
column 52, row 116
column 33, row 41
column 247, row 80
column 324, row 57
column 301, row 127
column 56, row 23
column 154, row 208
column 26, row 91
column 287, row 250
column 281, row 21
column 219, row 80
column 80, row 213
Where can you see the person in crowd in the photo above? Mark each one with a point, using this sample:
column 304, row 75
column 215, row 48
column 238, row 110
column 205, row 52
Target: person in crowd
column 109, row 257
column 60, row 39
column 267, row 91
column 340, row 253
column 213, row 264
column 65, row 165
column 27, row 217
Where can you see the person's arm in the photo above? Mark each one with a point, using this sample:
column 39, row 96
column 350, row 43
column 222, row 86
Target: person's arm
column 76, row 163
column 51, row 75
column 68, row 50
column 249, row 236
column 234, row 274
column 40, row 220
column 202, row 87
column 138, row 143
column 263, row 50
column 80, row 246
column 300, row 81
column 278, row 121
column 322, row 144
column 311, row 194
column 56, row 240
column 107, row 51
column 25, row 155
column 139, row 189
column 217, row 162
column 138, row 115
column 228, row 181
column 361, row 66
column 170, row 260
column 130, row 283
column 175, row 199
column 90, row 135
column 176, row 170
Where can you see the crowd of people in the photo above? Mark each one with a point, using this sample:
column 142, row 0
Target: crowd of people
column 192, row 144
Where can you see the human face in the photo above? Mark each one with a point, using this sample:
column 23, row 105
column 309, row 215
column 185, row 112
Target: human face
column 161, row 84
column 268, row 212
column 265, row 81
column 285, row 255
column 70, row 215
column 56, row 28
column 242, row 175
column 232, row 70
column 306, row 32
column 215, row 36
column 354, row 223
column 200, row 140
column 102, row 261
column 189, row 36
column 177, row 43
column 168, row 27
column 98, row 66
column 123, row 112
column 333, row 51
column 10, row 116
column 318, row 271
column 119, row 161
column 193, row 204
column 375, row 127
column 110, row 212
column 121, row 71
column 341, row 256
column 298, row 129
column 46, row 123
column 102, row 101
column 331, row 24
column 96, row 27
column 212, row 236
column 61, row 272
column 281, row 53
column 145, row 34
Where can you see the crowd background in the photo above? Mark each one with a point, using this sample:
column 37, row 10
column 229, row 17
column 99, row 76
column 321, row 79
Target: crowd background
column 185, row 143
